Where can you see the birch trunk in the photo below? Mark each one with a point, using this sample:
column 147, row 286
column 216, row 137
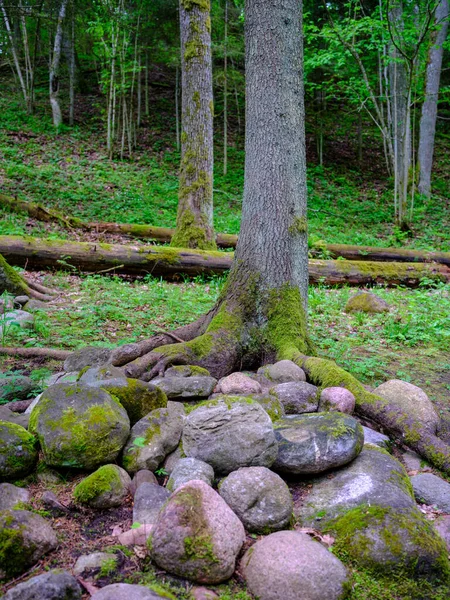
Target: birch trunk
column 225, row 94
column 54, row 67
column 14, row 52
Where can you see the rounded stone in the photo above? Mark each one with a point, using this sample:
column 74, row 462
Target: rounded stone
column 11, row 496
column 289, row 565
column 90, row 356
column 188, row 469
column 92, row 375
column 15, row 387
column 366, row 302
column 105, row 488
column 18, row 451
column 126, row 591
column 259, row 497
column 238, row 384
column 337, row 398
column 432, row 490
column 91, row 564
column 282, row 371
column 148, row 501
column 297, row 397
column 54, row 585
column 196, row 386
column 79, row 426
column 142, row 476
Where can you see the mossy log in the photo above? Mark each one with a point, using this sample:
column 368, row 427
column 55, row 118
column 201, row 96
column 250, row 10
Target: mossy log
column 39, row 212
column 95, row 257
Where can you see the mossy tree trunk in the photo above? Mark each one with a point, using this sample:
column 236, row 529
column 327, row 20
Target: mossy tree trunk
column 12, row 283
column 195, row 204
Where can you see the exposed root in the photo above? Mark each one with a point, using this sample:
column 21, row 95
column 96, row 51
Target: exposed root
column 37, row 295
column 34, row 285
column 49, row 353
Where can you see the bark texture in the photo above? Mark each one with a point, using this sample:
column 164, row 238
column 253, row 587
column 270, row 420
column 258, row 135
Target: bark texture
column 195, row 198
column 54, row 66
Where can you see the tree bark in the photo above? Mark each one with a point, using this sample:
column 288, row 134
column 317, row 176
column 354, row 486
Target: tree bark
column 54, row 67
column 13, row 283
column 429, row 107
column 195, row 197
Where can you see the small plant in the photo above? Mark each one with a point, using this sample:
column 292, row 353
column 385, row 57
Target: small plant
column 161, row 472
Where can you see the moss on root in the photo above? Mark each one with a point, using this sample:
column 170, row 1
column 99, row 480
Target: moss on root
column 192, row 231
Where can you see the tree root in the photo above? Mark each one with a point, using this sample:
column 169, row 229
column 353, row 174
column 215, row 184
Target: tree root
column 34, row 285
column 48, row 353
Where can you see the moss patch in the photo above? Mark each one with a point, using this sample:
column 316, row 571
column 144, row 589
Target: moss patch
column 104, row 480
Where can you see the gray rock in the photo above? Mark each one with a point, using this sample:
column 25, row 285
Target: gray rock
column 86, row 357
column 21, row 300
column 79, row 426
column 12, row 417
column 238, row 384
column 142, row 476
column 51, row 502
column 376, row 438
column 11, row 496
column 197, row 386
column 197, row 535
column 186, row 371
column 442, row 526
column 15, row 387
column 282, row 371
column 105, row 488
column 337, row 398
column 366, row 302
column 125, row 591
column 17, row 318
column 410, row 399
column 153, row 438
column 288, row 565
column 91, row 564
column 229, row 433
column 33, row 537
column 18, row 451
column 34, row 305
column 431, row 489
column 271, row 404
column 54, row 585
column 297, row 397
column 172, row 459
column 100, row 373
column 316, row 442
column 413, row 462
column 259, row 497
column 188, row 469
column 148, row 501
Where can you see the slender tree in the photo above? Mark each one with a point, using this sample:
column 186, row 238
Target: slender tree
column 195, row 202
column 54, row 66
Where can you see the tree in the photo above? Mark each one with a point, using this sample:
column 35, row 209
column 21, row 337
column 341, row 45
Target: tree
column 54, row 66
column 195, row 198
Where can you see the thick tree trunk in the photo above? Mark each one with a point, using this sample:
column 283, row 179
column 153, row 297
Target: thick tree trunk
column 195, row 197
column 54, row 67
column 429, row 107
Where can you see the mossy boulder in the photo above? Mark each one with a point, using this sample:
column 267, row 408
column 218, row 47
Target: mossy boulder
column 316, row 442
column 271, row 404
column 153, row 438
column 282, row 371
column 105, row 488
column 79, row 426
column 366, row 302
column 187, row 371
column 197, row 535
column 127, row 591
column 296, row 397
column 18, row 451
column 90, row 356
column 54, row 585
column 24, row 538
column 194, row 387
column 91, row 375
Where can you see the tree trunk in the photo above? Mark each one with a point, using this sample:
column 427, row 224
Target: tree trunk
column 54, row 67
column 15, row 54
column 195, row 204
column 225, row 92
column 429, row 107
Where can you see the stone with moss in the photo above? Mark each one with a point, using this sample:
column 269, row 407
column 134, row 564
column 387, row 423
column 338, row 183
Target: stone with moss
column 282, row 371
column 193, row 387
column 187, row 371
column 107, row 487
column 197, row 535
column 12, row 496
column 366, row 302
column 128, row 591
column 79, row 426
column 153, row 438
column 297, row 397
column 271, row 404
column 18, row 451
column 14, row 386
column 24, row 538
column 92, row 375
column 90, row 356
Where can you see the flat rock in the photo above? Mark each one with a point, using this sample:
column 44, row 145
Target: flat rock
column 197, row 535
column 229, row 433
column 188, row 469
column 337, row 398
column 15, row 387
column 376, row 438
column 11, row 496
column 142, row 476
column 297, row 397
column 282, row 371
column 197, row 386
column 259, row 497
column 238, row 384
column 54, row 585
column 148, row 501
column 91, row 564
column 366, row 302
column 186, row 371
column 126, row 591
column 10, row 416
column 87, row 357
column 316, row 442
column 79, row 426
column 107, row 487
column 18, row 451
column 288, row 565
column 431, row 489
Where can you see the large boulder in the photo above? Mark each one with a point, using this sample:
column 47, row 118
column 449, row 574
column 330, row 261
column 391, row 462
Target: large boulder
column 148, row 501
column 54, row 585
column 197, row 535
column 79, row 426
column 153, row 438
column 230, row 432
column 259, row 497
column 297, row 397
column 15, row 387
column 194, row 387
column 282, row 371
column 126, row 591
column 24, row 538
column 410, row 399
column 188, row 469
column 337, row 398
column 12, row 496
column 18, row 451
column 288, row 565
column 316, row 442
column 366, row 302
column 431, row 489
column 90, row 356
column 107, row 487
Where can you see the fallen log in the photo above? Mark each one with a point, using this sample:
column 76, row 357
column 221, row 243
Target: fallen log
column 93, row 257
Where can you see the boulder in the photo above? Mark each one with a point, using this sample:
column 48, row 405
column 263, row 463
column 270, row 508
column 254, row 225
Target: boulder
column 17, row 318
column 366, row 302
column 11, row 496
column 197, row 535
column 296, row 397
column 142, row 476
column 148, row 501
column 79, row 426
column 282, row 371
column 337, row 398
column 271, row 404
column 54, row 585
column 86, row 357
column 316, row 442
column 288, row 565
column 431, row 489
column 126, row 591
column 442, row 526
column 153, row 438
column 410, row 399
column 24, row 538
column 88, row 565
column 105, row 488
column 259, row 497
column 375, row 438
column 91, row 375
column 187, row 371
column 230, row 432
column 34, row 305
column 18, row 451
column 172, row 459
column 196, row 386
column 238, row 384
column 15, row 387
column 9, row 416
column 413, row 462
column 188, row 469
column 136, row 536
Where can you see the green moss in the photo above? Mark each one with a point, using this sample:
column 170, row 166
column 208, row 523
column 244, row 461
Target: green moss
column 196, row 99
column 10, row 280
column 137, row 399
column 194, row 48
column 104, row 246
column 14, row 555
column 203, row 5
column 104, row 480
column 192, row 230
column 194, row 370
column 20, row 462
column 299, row 225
